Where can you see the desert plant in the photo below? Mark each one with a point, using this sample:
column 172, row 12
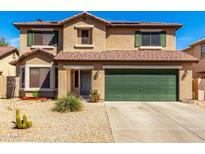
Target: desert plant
column 94, row 96
column 18, row 119
column 22, row 124
column 36, row 94
column 70, row 103
column 3, row 42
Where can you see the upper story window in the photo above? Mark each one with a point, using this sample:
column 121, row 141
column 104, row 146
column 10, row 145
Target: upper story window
column 150, row 39
column 203, row 50
column 85, row 36
column 42, row 38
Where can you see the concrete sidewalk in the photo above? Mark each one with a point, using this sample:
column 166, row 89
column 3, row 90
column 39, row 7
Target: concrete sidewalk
column 156, row 122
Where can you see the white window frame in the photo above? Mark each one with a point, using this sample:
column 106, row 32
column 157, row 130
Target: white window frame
column 52, row 77
column 150, row 30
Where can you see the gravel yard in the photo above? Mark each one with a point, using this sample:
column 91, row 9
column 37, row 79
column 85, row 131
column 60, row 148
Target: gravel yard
column 89, row 125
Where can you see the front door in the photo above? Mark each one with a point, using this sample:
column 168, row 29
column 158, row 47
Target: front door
column 85, row 82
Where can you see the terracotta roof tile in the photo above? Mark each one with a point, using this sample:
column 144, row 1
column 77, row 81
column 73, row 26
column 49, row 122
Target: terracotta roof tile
column 6, row 49
column 108, row 23
column 27, row 54
column 127, row 55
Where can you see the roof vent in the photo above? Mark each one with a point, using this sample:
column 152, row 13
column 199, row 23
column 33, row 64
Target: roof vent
column 39, row 20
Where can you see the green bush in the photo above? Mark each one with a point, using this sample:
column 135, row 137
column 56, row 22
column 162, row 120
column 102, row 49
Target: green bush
column 22, row 124
column 94, row 96
column 36, row 94
column 70, row 103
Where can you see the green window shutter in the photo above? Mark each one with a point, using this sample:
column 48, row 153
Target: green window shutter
column 163, row 39
column 29, row 38
column 55, row 39
column 138, row 39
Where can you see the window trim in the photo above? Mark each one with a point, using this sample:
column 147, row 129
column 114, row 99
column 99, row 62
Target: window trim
column 52, row 77
column 79, row 44
column 201, row 51
column 20, row 83
column 33, row 30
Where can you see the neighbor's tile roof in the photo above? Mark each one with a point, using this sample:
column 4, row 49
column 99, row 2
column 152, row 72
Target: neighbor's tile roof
column 127, row 55
column 198, row 42
column 6, row 50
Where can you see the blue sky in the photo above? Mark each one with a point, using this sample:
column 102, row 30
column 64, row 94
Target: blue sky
column 193, row 29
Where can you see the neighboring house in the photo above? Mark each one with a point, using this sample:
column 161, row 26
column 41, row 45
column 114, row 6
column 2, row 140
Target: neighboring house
column 7, row 71
column 197, row 49
column 123, row 60
column 7, row 54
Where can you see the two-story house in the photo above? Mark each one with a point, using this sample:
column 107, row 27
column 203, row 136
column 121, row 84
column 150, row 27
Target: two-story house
column 122, row 60
column 197, row 49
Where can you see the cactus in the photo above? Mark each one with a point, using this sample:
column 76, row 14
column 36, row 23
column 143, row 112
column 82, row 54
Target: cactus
column 18, row 119
column 24, row 119
column 29, row 124
column 22, row 124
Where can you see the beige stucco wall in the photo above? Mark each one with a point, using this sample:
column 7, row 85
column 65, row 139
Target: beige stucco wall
column 99, row 82
column 64, row 81
column 124, row 38
column 5, row 67
column 185, row 82
column 70, row 35
column 23, row 41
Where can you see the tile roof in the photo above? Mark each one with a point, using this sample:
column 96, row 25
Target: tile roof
column 108, row 23
column 144, row 24
column 29, row 53
column 127, row 55
column 6, row 50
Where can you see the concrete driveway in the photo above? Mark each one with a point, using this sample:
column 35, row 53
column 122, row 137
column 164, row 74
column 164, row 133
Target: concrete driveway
column 156, row 122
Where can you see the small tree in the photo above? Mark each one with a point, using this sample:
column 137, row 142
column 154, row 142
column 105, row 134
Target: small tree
column 3, row 42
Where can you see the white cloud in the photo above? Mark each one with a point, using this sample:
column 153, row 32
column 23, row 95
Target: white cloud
column 14, row 42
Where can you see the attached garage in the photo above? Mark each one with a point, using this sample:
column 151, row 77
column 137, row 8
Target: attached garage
column 141, row 85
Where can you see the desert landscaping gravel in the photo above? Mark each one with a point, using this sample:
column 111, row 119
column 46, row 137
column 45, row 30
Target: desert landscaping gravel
column 89, row 125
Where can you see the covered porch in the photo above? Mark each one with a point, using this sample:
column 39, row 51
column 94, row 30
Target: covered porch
column 80, row 79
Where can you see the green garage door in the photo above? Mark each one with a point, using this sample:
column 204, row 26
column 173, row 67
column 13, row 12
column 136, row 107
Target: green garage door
column 141, row 85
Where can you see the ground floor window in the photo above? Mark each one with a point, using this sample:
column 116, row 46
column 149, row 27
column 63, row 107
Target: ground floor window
column 39, row 77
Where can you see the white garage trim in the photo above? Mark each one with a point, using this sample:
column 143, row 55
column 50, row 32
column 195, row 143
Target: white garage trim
column 78, row 67
column 142, row 67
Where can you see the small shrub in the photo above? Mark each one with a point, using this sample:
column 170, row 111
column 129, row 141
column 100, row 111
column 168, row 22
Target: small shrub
column 70, row 103
column 36, row 94
column 22, row 124
column 94, row 96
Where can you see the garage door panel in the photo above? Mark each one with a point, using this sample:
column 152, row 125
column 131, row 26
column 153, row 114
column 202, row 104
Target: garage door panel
column 122, row 97
column 141, row 85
